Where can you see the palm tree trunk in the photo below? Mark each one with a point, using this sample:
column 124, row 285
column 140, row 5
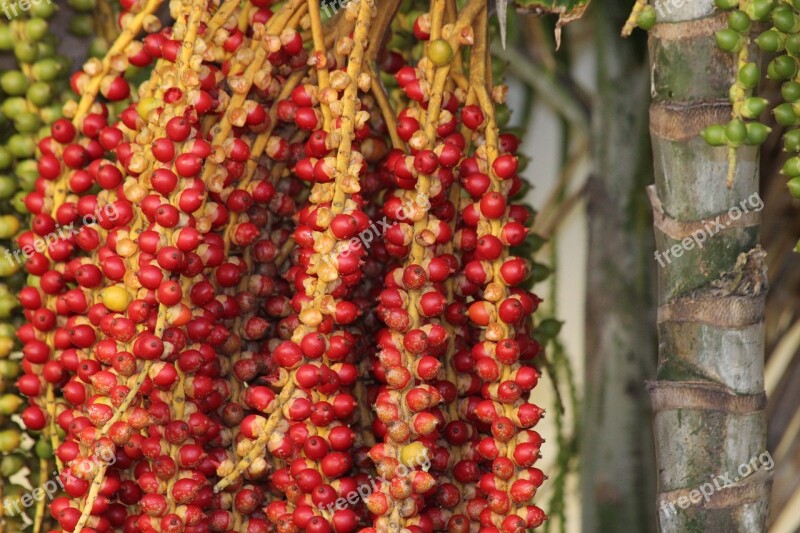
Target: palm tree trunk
column 708, row 400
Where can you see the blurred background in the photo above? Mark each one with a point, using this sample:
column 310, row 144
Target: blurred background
column 585, row 107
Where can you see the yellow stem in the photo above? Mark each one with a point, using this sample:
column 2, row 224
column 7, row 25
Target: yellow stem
column 347, row 129
column 630, row 24
column 128, row 34
column 738, row 95
column 50, row 404
column 38, row 517
column 3, row 508
column 260, row 443
column 323, row 76
column 89, row 92
column 97, row 482
column 222, row 14
column 140, row 377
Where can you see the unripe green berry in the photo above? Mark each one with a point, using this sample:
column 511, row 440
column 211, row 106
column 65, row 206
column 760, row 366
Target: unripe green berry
column 98, row 47
column 6, row 37
column 26, row 52
column 756, row 133
column 46, row 69
column 794, row 189
column 782, row 68
column 11, row 464
column 502, row 115
column 43, row 448
column 22, row 146
column 738, row 21
column 715, row 135
column 51, row 113
column 784, row 115
column 726, row 4
column 46, row 50
column 36, row 28
column 13, row 106
column 5, row 158
column 43, row 10
column 39, row 94
column 14, row 83
column 791, row 167
column 753, row 107
column 760, row 9
column 736, row 132
column 785, row 21
column 81, row 25
column 647, row 18
column 749, row 75
column 8, row 186
column 729, row 40
column 27, row 122
column 27, row 172
column 83, row 6
column 498, row 69
column 791, row 141
column 18, row 203
column 792, row 44
column 790, row 91
column 770, row 41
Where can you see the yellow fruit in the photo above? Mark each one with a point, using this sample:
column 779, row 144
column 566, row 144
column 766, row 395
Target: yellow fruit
column 9, row 226
column 9, row 403
column 116, row 298
column 412, row 454
column 440, row 52
column 8, row 264
column 6, row 345
column 146, row 105
column 10, row 440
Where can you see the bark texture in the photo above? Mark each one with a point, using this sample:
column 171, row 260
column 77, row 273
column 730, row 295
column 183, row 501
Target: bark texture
column 618, row 463
column 708, row 401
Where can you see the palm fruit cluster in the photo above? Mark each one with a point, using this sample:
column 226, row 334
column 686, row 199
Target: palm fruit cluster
column 288, row 300
column 774, row 28
column 34, row 85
